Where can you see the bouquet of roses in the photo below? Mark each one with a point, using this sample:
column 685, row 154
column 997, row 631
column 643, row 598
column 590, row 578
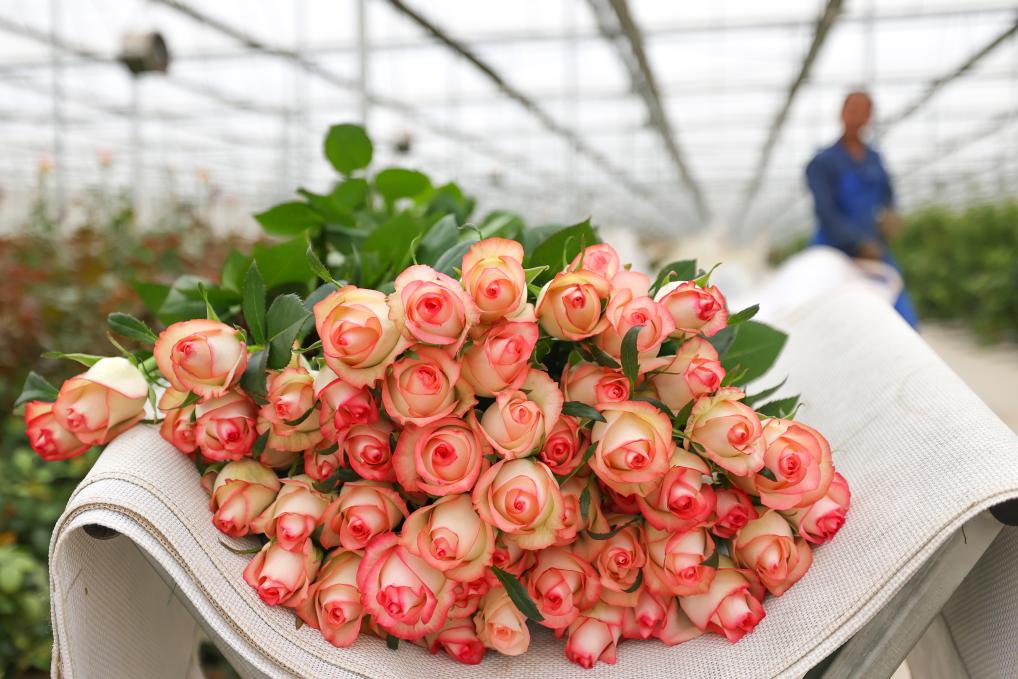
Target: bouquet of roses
column 482, row 442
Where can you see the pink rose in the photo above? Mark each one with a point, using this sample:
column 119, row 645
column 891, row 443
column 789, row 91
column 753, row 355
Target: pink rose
column 515, row 424
column 493, row 276
column 677, row 627
column 242, row 490
column 693, row 309
column 343, row 404
column 600, row 258
column 502, row 360
column 573, row 520
column 616, row 502
column 333, row 605
column 625, row 312
column 564, row 445
column 593, row 384
column 675, row 561
column 458, row 638
column 432, row 308
column 226, row 427
column 634, row 446
column 177, row 426
column 404, row 594
column 361, row 511
column 279, row 459
column 569, row 306
column 282, row 577
column 469, row 594
column 683, row 500
column 48, row 438
column 647, row 617
column 511, row 558
column 500, row 625
column 291, row 396
column 799, row 458
column 732, row 606
column 294, row 515
column 733, row 511
column 322, row 462
column 425, row 386
column 105, row 400
column 766, row 545
column 521, row 498
column 728, row 431
column 442, row 458
column 359, row 341
column 367, row 449
column 562, row 585
column 819, row 522
column 203, row 356
column 451, row 537
column 693, row 372
column 595, row 635
column 619, row 561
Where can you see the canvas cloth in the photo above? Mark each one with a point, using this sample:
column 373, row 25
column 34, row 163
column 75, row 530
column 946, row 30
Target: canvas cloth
column 922, row 454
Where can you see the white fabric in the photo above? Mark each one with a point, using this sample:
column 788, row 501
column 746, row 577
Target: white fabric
column 921, row 452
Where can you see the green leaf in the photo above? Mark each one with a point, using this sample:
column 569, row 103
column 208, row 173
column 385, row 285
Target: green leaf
column 630, row 356
column 712, row 560
column 755, row 348
column 654, row 402
column 296, row 421
column 231, row 277
column 253, row 303
column 614, row 530
column 318, row 267
column 442, row 235
column 744, row 315
column 253, row 379
column 683, row 270
column 518, row 594
column 722, row 340
column 210, row 311
column 585, row 503
column 284, row 319
column 241, row 552
column 767, row 474
column 782, row 407
column 350, row 193
column 392, row 642
column 289, row 219
column 453, row 258
column 348, row 148
column 534, row 272
column 283, row 263
column 703, row 280
column 756, row 398
column 594, row 354
column 127, row 325
column 185, row 301
column 564, row 244
column 391, row 242
column 682, row 418
column 578, row 409
column 87, row 360
column 329, row 208
column 36, row 389
column 502, row 224
column 397, row 182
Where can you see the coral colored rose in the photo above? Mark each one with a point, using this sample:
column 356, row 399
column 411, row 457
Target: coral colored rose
column 562, row 585
column 359, row 340
column 619, row 561
column 728, row 431
column 442, row 458
column 573, row 520
column 511, row 558
column 617, row 502
column 203, row 356
column 500, row 625
column 675, row 561
column 451, row 537
column 732, row 606
column 48, row 438
column 569, row 306
column 693, row 309
column 502, row 359
column 693, row 372
column 595, row 635
column 432, row 307
column 177, row 427
column 626, row 311
column 333, row 605
column 469, row 594
column 677, row 627
column 683, row 500
column 564, row 445
column 425, row 386
column 403, row 593
column 322, row 462
column 799, row 458
column 819, row 522
column 594, row 384
column 493, row 276
column 634, row 446
column 367, row 449
column 294, row 514
column 766, row 545
column 105, row 400
column 282, row 577
column 242, row 490
column 600, row 258
column 459, row 640
column 226, row 427
column 734, row 510
column 291, row 395
column 361, row 511
column 343, row 404
column 646, row 617
column 521, row 498
column 516, row 423
column 279, row 459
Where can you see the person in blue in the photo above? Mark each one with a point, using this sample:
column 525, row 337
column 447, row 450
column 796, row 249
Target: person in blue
column 852, row 195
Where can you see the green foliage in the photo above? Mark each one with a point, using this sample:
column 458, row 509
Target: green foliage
column 753, row 350
column 559, row 248
column 348, row 148
column 289, row 219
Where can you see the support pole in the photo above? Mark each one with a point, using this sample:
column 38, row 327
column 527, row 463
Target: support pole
column 362, row 60
column 57, row 101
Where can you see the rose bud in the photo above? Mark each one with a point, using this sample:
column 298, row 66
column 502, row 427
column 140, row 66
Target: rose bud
column 359, row 341
column 647, row 617
column 562, row 585
column 515, row 424
column 734, row 509
column 203, row 356
column 677, row 627
column 500, row 625
column 177, row 427
column 403, row 593
column 819, row 522
column 619, row 561
column 226, row 427
column 282, row 577
column 322, row 462
column 367, row 449
column 728, row 431
column 362, row 510
column 767, row 546
column 564, row 445
column 432, row 307
column 626, row 311
column 294, row 515
column 208, row 479
column 732, row 606
column 593, row 384
column 333, row 604
column 102, row 402
column 459, row 640
column 493, row 276
column 600, row 258
column 279, row 459
column 573, row 520
column 425, row 386
column 291, row 396
column 48, row 438
column 242, row 490
column 693, row 372
column 634, row 446
column 343, row 405
column 511, row 558
column 521, row 498
column 595, row 635
column 442, row 458
column 502, row 360
column 469, row 594
column 451, row 537
column 683, row 500
column 569, row 306
column 799, row 458
column 693, row 309
column 675, row 561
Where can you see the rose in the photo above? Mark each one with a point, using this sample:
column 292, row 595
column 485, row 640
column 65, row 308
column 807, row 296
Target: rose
column 511, row 558
column 367, row 449
column 516, row 422
column 647, row 617
column 677, row 627
column 767, row 546
column 333, row 605
column 693, row 309
column 105, row 400
column 451, row 537
column 594, row 635
column 226, row 427
column 279, row 459
column 675, row 561
column 593, row 384
column 500, row 625
column 203, row 356
column 322, row 462
column 799, row 458
column 361, row 511
column 693, row 372
column 48, row 438
column 569, row 306
column 403, row 593
column 442, row 458
column 291, row 396
column 459, row 640
column 425, row 386
column 819, row 522
column 282, row 577
column 501, row 361
column 573, row 519
column 242, row 490
column 617, row 502
column 343, row 404
column 359, row 340
column 634, row 446
column 682, row 500
column 521, row 498
column 562, row 585
column 493, row 276
column 600, row 258
column 564, row 445
column 734, row 509
column 177, row 426
column 728, row 431
column 626, row 311
column 619, row 561
column 294, row 515
column 732, row 606
column 432, row 308
column 468, row 595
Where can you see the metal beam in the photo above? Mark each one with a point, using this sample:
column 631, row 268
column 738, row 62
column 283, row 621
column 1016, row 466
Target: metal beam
column 618, row 26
